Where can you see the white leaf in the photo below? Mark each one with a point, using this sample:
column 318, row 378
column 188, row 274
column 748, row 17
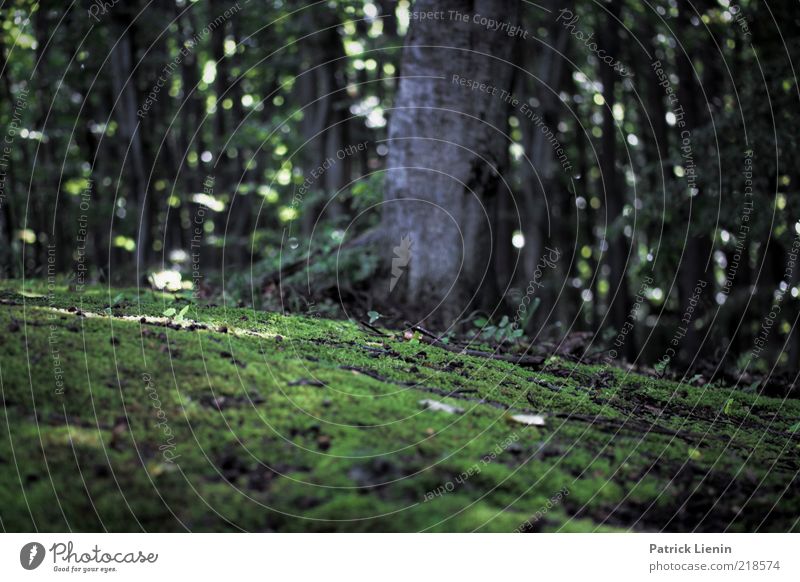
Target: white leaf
column 441, row 406
column 529, row 419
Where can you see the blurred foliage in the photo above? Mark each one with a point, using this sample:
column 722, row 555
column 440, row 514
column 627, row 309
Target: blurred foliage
column 262, row 95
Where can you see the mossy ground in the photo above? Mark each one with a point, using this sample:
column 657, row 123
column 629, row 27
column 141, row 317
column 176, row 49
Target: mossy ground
column 287, row 423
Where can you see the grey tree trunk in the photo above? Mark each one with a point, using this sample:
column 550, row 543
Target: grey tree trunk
column 447, row 147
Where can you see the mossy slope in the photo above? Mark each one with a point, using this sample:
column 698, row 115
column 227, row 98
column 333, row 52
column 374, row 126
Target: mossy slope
column 277, row 423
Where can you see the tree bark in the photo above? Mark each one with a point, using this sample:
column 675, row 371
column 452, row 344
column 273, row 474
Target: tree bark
column 446, row 143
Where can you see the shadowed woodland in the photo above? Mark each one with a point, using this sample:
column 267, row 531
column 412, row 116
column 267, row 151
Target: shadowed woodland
column 363, row 244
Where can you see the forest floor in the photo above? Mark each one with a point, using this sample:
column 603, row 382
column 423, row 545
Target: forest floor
column 125, row 412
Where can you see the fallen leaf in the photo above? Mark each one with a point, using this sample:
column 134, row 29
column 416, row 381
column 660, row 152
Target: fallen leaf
column 440, row 406
column 528, row 419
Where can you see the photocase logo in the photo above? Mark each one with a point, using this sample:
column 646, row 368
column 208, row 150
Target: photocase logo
column 402, row 256
column 31, row 555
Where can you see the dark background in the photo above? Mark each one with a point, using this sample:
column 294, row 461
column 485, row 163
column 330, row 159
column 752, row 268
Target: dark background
column 221, row 141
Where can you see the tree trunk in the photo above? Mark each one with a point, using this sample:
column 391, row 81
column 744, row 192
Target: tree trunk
column 9, row 223
column 540, row 191
column 446, row 142
column 123, row 80
column 695, row 263
column 619, row 297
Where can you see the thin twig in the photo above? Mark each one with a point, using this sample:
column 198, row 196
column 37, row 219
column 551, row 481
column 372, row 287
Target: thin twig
column 424, row 331
column 373, row 328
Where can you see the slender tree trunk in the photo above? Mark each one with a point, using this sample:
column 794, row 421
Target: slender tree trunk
column 241, row 197
column 7, row 216
column 540, row 190
column 193, row 106
column 222, row 174
column 657, row 147
column 124, row 84
column 697, row 252
column 389, row 19
column 619, row 296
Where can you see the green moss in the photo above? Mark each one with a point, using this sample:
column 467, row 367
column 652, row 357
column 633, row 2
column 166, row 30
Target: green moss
column 119, row 417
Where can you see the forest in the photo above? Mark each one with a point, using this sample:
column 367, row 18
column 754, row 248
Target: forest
column 399, row 265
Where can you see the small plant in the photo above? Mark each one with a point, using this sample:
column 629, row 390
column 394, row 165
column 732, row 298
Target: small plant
column 116, row 302
column 726, row 410
column 176, row 315
column 373, row 316
column 504, row 331
column 445, row 339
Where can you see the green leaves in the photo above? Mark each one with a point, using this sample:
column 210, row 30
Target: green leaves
column 726, row 410
column 118, row 299
column 178, row 316
column 504, row 331
column 183, row 312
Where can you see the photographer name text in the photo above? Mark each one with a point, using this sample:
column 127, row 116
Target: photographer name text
column 690, row 549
